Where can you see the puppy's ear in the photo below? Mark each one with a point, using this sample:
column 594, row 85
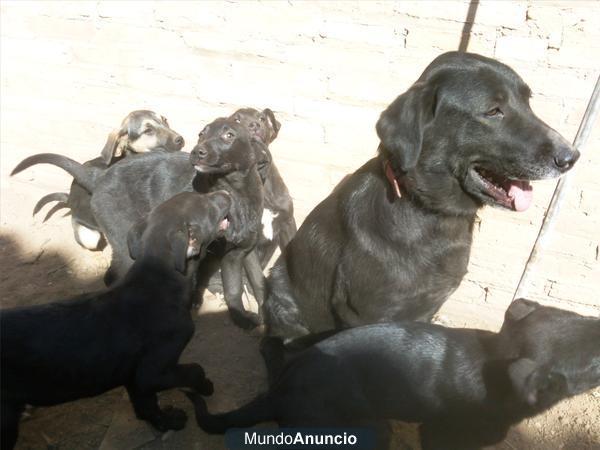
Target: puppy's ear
column 401, row 126
column 537, row 387
column 134, row 238
column 115, row 144
column 519, row 309
column 274, row 122
column 179, row 242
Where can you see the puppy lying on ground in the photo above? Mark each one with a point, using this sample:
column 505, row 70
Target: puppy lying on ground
column 392, row 241
column 141, row 131
column 130, row 335
column 465, row 387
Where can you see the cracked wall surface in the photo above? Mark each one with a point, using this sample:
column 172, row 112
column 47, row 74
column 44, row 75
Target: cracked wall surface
column 72, row 70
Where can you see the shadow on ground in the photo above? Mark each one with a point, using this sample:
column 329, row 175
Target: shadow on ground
column 231, row 359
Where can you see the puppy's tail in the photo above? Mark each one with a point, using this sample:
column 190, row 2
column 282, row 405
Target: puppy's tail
column 83, row 175
column 61, row 197
column 257, row 411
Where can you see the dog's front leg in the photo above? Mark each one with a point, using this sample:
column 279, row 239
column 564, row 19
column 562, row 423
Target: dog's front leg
column 231, row 273
column 158, row 370
column 256, row 277
column 149, row 381
column 287, row 231
column 145, row 405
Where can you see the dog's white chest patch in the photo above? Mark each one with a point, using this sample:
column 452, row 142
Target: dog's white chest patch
column 267, row 223
column 89, row 239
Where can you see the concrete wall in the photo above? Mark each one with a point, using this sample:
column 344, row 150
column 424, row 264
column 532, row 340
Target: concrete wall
column 71, row 71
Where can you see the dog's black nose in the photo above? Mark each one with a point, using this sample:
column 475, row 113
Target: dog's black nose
column 179, row 141
column 566, row 158
column 200, row 152
column 253, row 126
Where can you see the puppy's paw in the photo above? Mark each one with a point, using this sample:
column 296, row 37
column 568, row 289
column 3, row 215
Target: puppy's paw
column 245, row 320
column 170, row 419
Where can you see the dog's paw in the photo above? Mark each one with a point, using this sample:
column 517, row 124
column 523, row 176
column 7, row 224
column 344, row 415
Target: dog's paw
column 170, row 419
column 245, row 320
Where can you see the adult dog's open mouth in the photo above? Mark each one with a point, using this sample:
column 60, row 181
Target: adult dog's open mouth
column 502, row 191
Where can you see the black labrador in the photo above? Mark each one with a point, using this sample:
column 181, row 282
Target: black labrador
column 392, row 241
column 465, row 387
column 278, row 223
column 130, row 335
column 140, row 131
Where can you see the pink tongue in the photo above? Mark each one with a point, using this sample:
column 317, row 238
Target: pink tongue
column 521, row 194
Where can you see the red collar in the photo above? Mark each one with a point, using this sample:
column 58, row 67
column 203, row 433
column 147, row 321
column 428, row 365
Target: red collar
column 389, row 174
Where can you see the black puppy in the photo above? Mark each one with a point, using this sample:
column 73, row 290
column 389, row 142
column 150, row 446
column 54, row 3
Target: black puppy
column 392, row 241
column 465, row 387
column 278, row 223
column 225, row 159
column 131, row 335
column 140, row 131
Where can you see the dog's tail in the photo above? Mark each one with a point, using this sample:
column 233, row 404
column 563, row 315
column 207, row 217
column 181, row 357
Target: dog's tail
column 83, row 175
column 61, row 197
column 257, row 411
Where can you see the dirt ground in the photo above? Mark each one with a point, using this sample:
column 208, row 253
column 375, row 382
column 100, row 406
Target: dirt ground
column 57, row 268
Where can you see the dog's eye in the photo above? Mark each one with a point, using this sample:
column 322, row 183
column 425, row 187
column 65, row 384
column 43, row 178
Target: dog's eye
column 494, row 112
column 262, row 119
column 237, row 120
column 149, row 130
column 229, row 135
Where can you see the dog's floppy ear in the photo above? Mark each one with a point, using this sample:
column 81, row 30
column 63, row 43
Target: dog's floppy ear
column 115, row 144
column 519, row 309
column 134, row 238
column 179, row 242
column 401, row 126
column 537, row 387
column 274, row 122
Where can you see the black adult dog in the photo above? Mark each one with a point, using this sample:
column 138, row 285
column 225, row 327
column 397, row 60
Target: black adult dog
column 392, row 241
column 278, row 223
column 465, row 387
column 140, row 131
column 131, row 335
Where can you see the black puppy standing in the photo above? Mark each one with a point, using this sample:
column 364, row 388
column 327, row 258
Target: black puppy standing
column 466, row 387
column 226, row 159
column 130, row 335
column 278, row 223
column 392, row 241
column 140, row 132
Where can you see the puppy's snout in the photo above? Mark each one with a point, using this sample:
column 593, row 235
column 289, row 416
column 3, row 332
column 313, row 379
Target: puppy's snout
column 566, row 158
column 200, row 152
column 253, row 126
column 179, row 141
